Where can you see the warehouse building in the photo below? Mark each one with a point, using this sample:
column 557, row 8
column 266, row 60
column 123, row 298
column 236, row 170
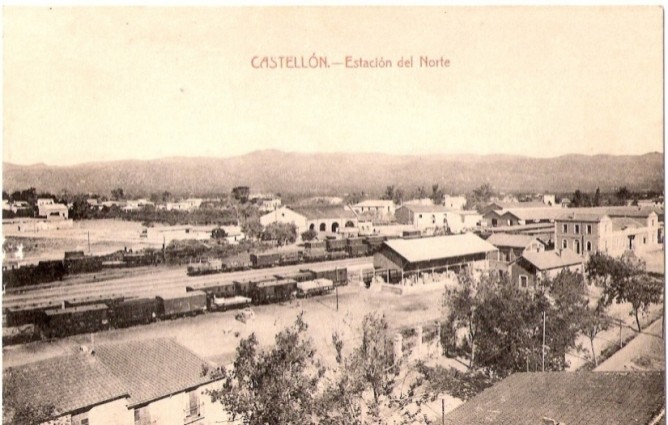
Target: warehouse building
column 435, row 254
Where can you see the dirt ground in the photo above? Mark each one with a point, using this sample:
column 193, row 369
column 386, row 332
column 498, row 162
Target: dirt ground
column 215, row 336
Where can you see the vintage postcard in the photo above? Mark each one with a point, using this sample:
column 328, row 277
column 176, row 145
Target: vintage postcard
column 333, row 215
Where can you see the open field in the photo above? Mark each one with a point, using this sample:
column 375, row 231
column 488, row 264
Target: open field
column 214, row 336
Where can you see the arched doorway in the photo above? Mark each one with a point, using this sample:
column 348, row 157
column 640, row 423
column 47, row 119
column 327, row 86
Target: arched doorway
column 350, row 224
column 323, row 227
column 335, row 227
column 311, row 227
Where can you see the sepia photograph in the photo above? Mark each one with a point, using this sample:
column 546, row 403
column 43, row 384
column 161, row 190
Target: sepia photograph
column 310, row 215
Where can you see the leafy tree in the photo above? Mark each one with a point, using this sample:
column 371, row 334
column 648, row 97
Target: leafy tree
column 252, row 228
column 592, row 322
column 436, row 194
column 398, row 196
column 5, row 195
column 626, row 280
column 241, row 193
column 118, row 194
column 275, row 386
column 309, row 235
column 389, row 193
column 420, row 193
column 597, row 198
column 283, row 233
column 462, row 305
column 580, row 199
column 504, row 323
column 373, row 361
column 371, row 366
column 623, row 194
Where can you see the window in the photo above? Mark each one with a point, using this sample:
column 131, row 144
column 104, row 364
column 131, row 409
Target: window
column 564, row 244
column 420, row 216
column 524, row 281
column 577, row 229
column 192, row 405
column 142, row 416
column 577, row 246
column 588, row 246
column 589, row 229
column 644, row 240
column 565, row 228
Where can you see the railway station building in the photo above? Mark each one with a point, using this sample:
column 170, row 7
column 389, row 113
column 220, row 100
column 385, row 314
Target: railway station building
column 435, row 254
column 325, row 219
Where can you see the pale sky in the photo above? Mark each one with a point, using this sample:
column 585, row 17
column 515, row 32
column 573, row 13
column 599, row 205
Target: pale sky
column 99, row 84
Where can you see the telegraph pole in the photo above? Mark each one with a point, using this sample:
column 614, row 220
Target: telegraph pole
column 337, row 298
column 543, row 341
column 88, row 243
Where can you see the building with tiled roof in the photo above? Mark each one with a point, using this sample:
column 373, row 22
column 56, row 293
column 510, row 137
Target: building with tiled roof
column 78, row 386
column 135, row 383
column 531, row 267
column 434, row 254
column 567, row 398
column 328, row 219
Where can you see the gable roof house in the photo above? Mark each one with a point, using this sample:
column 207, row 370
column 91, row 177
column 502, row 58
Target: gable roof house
column 567, row 398
column 135, row 383
column 528, row 270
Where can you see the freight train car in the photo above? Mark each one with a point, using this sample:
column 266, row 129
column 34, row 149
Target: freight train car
column 174, row 305
column 62, row 322
column 137, row 311
column 273, row 291
column 265, row 260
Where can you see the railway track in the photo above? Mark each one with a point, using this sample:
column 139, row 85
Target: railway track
column 150, row 284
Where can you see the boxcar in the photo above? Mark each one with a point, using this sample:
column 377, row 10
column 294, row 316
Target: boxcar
column 336, row 245
column 237, row 262
column 18, row 316
column 134, row 312
column 173, row 305
column 265, row 260
column 315, row 255
column 337, row 255
column 360, row 250
column 273, row 291
column 290, row 257
column 315, row 245
column 67, row 321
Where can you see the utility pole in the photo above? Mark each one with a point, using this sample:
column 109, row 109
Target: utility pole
column 337, row 298
column 620, row 334
column 543, row 341
column 443, row 411
column 88, row 243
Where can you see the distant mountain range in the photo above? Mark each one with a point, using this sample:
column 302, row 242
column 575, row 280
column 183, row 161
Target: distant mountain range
column 336, row 173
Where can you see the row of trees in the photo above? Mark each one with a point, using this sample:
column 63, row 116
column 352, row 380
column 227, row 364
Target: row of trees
column 506, row 327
